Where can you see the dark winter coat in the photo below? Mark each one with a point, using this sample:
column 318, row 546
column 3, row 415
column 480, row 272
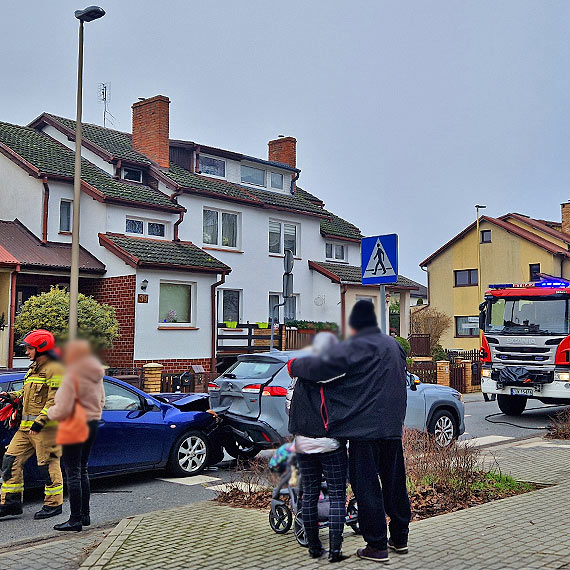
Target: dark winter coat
column 357, row 391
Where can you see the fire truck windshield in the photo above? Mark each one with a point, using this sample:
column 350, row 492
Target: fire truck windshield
column 527, row 316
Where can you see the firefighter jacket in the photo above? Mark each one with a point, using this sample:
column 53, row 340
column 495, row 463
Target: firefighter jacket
column 40, row 385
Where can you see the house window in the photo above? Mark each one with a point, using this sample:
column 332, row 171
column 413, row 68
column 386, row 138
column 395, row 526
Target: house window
column 485, row 236
column 289, row 309
column 220, row 228
column 282, row 236
column 251, row 175
column 134, row 226
column 273, row 300
column 465, row 277
column 145, row 228
column 175, row 303
column 467, row 326
column 65, row 207
column 335, row 252
column 132, row 174
column 230, row 305
column 534, row 271
column 213, row 166
column 277, row 180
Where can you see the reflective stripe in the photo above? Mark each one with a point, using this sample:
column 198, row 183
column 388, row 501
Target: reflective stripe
column 55, row 381
column 12, row 488
column 44, row 411
column 54, row 490
column 28, row 423
column 35, row 380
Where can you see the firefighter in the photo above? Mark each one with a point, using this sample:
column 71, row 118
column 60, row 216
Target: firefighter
column 35, row 434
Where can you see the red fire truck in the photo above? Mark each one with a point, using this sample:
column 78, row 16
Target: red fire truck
column 526, row 343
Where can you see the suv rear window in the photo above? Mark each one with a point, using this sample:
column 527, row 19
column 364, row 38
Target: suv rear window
column 253, row 369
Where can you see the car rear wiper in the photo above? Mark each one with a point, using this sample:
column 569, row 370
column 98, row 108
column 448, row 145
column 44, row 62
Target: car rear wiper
column 229, row 375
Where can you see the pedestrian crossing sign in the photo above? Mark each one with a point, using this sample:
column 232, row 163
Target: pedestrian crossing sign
column 379, row 259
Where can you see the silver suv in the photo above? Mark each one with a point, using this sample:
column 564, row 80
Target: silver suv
column 250, row 396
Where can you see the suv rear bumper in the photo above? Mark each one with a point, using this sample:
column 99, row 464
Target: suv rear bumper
column 251, row 431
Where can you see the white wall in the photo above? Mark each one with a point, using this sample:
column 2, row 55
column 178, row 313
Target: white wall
column 326, row 299
column 117, row 215
column 152, row 343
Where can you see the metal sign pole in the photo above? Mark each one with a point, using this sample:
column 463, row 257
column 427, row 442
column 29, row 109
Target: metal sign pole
column 383, row 327
column 275, row 307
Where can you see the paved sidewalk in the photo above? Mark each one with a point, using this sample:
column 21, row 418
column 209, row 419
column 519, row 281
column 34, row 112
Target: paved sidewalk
column 523, row 532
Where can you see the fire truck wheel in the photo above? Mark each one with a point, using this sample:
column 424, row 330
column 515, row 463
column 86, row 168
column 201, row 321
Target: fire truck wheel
column 511, row 405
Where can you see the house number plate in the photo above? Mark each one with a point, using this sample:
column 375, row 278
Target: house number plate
column 142, row 298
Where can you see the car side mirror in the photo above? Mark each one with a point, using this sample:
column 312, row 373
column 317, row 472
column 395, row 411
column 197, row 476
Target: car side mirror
column 414, row 384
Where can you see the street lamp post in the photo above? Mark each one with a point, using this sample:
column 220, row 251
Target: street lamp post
column 87, row 15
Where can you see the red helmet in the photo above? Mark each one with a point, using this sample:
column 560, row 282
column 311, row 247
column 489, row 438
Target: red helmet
column 43, row 341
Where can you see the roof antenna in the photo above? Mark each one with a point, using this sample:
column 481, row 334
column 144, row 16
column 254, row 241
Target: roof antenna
column 104, row 96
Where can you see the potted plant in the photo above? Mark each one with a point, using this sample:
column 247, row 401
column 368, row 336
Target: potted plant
column 231, row 324
column 262, row 325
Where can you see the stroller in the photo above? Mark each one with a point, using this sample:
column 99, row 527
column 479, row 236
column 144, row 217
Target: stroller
column 283, row 516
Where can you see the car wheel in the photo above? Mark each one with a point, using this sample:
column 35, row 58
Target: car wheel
column 190, row 454
column 443, row 426
column 240, row 451
column 511, row 405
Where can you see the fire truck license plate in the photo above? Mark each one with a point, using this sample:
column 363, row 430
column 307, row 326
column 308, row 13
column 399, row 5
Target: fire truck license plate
column 522, row 392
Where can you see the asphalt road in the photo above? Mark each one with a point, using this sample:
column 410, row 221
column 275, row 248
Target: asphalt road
column 119, row 497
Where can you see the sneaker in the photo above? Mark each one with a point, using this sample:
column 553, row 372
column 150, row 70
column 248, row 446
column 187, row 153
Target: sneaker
column 374, row 554
column 399, row 548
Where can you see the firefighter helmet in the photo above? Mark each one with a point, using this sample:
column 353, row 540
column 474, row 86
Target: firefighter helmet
column 43, row 341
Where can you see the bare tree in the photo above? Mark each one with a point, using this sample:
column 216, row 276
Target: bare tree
column 430, row 321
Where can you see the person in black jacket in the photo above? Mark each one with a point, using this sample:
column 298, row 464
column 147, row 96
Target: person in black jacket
column 363, row 398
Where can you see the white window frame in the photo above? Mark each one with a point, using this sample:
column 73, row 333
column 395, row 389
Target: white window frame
column 281, row 309
column 334, row 246
column 264, row 185
column 214, row 158
column 70, row 202
column 297, row 253
column 220, row 213
column 145, row 222
column 221, row 304
column 193, row 301
column 271, row 180
column 140, row 181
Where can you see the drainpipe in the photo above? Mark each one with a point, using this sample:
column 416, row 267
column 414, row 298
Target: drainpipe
column 12, row 316
column 343, row 290
column 213, row 361
column 45, row 212
column 176, row 224
column 293, row 180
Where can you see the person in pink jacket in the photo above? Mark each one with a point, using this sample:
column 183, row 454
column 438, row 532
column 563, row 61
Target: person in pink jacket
column 83, row 381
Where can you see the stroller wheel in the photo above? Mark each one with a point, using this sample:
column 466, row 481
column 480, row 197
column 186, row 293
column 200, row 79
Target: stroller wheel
column 352, row 516
column 280, row 519
column 299, row 530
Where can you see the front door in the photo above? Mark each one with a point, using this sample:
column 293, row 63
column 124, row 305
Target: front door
column 23, row 293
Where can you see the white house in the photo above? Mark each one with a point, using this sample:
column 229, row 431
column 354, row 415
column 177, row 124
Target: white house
column 179, row 237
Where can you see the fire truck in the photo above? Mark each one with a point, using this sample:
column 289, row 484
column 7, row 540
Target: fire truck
column 525, row 349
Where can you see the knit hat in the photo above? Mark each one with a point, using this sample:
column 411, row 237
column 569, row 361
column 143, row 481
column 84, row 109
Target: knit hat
column 362, row 315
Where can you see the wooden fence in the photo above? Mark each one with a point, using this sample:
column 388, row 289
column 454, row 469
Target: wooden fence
column 187, row 382
column 419, row 344
column 427, row 371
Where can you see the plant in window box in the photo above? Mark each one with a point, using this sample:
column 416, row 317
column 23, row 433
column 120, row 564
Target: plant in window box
column 262, row 325
column 231, row 324
column 171, row 317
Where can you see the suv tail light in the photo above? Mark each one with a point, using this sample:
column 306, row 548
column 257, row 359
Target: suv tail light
column 563, row 352
column 267, row 390
column 213, row 387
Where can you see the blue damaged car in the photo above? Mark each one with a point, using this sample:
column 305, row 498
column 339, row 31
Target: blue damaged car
column 141, row 432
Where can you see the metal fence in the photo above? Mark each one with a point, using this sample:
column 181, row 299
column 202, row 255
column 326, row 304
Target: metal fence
column 427, row 371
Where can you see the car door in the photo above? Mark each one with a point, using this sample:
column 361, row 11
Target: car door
column 416, row 406
column 131, row 433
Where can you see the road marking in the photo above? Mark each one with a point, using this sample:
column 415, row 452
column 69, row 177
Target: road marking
column 489, row 439
column 196, row 480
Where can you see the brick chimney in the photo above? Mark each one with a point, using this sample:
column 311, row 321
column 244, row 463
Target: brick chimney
column 283, row 149
column 150, row 129
column 565, row 217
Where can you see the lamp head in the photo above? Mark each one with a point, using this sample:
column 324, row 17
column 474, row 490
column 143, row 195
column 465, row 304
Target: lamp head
column 90, row 13
column 479, row 206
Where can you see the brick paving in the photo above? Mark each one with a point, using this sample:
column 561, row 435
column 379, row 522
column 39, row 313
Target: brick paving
column 523, row 532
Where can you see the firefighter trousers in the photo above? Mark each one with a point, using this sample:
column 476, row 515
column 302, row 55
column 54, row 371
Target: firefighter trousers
column 48, row 453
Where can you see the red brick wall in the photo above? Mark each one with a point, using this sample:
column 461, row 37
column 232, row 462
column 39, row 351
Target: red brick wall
column 119, row 292
column 151, row 129
column 283, row 149
column 177, row 364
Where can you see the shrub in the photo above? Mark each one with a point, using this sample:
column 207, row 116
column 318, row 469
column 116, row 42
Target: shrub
column 96, row 321
column 560, row 426
column 316, row 325
column 404, row 344
column 438, row 353
column 430, row 321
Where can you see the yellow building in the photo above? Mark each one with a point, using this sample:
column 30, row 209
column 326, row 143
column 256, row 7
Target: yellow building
column 514, row 249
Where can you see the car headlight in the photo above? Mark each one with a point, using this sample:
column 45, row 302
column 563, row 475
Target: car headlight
column 457, row 396
column 562, row 376
column 486, row 373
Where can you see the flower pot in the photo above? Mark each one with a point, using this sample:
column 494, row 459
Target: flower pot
column 231, row 324
column 262, row 325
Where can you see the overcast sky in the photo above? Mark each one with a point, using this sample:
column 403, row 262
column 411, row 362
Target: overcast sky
column 406, row 113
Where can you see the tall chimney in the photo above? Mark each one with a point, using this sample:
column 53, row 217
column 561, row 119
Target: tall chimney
column 565, row 217
column 283, row 149
column 150, row 129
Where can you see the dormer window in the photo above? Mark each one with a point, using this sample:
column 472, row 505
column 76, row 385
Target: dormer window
column 212, row 166
column 131, row 174
column 143, row 227
column 335, row 252
column 277, row 181
column 251, row 175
